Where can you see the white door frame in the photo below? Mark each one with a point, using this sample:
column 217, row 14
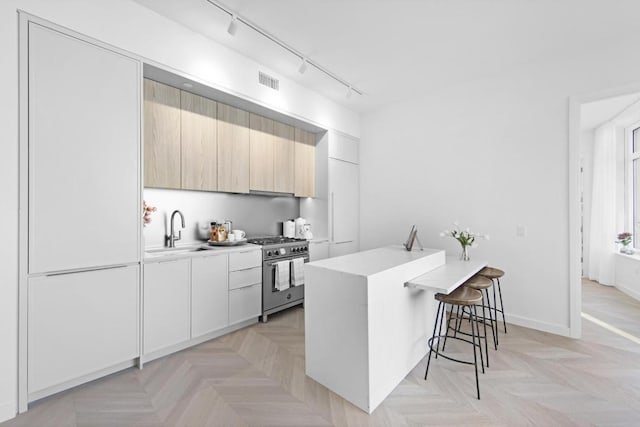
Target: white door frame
column 575, row 210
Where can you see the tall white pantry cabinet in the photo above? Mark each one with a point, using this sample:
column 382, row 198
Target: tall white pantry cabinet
column 80, row 211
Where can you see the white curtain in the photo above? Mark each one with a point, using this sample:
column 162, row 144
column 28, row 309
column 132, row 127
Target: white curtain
column 603, row 207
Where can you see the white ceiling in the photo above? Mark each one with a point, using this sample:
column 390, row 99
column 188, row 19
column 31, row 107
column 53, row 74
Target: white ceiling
column 393, row 49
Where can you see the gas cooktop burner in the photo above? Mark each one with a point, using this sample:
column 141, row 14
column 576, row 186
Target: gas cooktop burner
column 273, row 240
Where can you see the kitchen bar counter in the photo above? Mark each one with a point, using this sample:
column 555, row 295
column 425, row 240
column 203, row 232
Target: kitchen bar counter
column 368, row 316
column 364, row 330
column 375, row 261
column 446, row 278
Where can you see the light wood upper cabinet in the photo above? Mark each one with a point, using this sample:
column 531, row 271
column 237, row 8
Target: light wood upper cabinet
column 161, row 135
column 283, row 158
column 262, row 149
column 199, row 164
column 305, row 170
column 195, row 143
column 233, row 149
column 272, row 155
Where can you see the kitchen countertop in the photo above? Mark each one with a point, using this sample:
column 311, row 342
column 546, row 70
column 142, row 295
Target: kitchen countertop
column 194, row 250
column 371, row 262
column 447, row 277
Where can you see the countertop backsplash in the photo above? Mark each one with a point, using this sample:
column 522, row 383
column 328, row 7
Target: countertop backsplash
column 255, row 214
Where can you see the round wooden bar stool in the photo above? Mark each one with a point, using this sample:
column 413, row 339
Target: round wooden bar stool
column 495, row 274
column 464, row 297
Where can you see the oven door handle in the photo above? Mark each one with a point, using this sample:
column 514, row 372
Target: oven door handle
column 273, row 263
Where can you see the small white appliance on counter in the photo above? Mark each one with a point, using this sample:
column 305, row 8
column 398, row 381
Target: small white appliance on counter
column 289, row 229
column 308, row 235
column 300, row 227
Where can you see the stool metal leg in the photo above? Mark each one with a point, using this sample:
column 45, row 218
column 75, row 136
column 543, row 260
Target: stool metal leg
column 446, row 333
column 486, row 338
column 442, row 314
column 475, row 358
column 430, row 342
column 504, row 322
column 494, row 326
column 458, row 321
column 495, row 312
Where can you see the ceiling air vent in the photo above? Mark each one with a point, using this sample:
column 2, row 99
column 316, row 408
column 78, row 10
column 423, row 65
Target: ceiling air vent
column 268, row 81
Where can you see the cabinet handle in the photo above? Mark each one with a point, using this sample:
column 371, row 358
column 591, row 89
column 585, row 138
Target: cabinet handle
column 85, row 270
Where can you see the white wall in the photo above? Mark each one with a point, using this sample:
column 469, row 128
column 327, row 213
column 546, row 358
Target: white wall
column 129, row 26
column 628, row 274
column 493, row 154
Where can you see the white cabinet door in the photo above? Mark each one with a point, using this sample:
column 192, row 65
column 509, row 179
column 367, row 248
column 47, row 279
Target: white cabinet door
column 167, row 299
column 342, row 147
column 344, row 204
column 81, row 323
column 84, row 115
column 245, row 303
column 209, row 294
column 342, row 248
column 318, row 251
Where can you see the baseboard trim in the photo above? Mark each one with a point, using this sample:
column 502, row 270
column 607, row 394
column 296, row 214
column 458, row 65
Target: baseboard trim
column 39, row 394
column 526, row 322
column 632, row 293
column 8, row 410
column 195, row 341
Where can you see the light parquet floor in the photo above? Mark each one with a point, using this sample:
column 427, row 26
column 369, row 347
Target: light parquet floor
column 255, row 377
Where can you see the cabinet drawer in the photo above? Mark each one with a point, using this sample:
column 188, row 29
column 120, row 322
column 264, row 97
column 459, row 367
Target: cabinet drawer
column 242, row 278
column 244, row 260
column 245, row 303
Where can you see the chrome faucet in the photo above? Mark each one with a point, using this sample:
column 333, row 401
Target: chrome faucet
column 171, row 238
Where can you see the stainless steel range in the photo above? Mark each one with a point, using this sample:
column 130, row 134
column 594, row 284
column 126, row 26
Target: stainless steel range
column 275, row 250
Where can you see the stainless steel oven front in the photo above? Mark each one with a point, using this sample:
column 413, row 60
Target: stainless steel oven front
column 274, row 300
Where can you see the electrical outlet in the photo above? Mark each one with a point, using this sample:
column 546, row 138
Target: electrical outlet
column 521, row 230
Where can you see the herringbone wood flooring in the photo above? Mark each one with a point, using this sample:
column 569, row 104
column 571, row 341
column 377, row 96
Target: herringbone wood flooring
column 256, row 377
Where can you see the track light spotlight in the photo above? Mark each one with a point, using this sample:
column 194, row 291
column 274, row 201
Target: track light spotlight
column 232, row 29
column 233, row 25
column 303, row 66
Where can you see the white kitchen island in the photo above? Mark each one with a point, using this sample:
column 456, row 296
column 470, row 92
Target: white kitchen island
column 364, row 330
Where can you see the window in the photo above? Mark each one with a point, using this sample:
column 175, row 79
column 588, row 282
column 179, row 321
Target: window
column 634, row 188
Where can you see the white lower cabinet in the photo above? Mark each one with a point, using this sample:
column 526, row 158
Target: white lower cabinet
column 189, row 298
column 209, row 292
column 342, row 248
column 81, row 323
column 318, row 251
column 245, row 286
column 245, row 303
column 167, row 304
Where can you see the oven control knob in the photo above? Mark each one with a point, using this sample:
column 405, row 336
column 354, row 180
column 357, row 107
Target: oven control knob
column 283, row 251
column 296, row 249
column 288, row 296
column 305, row 248
column 268, row 253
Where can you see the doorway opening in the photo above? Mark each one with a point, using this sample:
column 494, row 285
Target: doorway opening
column 605, row 147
